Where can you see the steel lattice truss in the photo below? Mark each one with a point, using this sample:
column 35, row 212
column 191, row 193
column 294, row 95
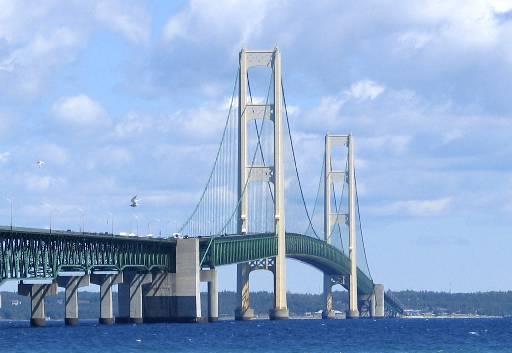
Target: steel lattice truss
column 27, row 253
column 41, row 254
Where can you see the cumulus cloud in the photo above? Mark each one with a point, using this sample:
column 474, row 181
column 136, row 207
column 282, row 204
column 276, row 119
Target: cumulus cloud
column 238, row 21
column 41, row 183
column 365, row 89
column 131, row 20
column 500, row 6
column 4, row 157
column 52, row 153
column 80, row 110
column 114, row 156
column 419, row 208
column 134, row 124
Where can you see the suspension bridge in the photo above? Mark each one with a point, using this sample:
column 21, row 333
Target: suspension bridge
column 240, row 218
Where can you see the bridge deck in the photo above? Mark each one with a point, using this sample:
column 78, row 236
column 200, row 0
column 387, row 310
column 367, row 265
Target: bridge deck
column 30, row 253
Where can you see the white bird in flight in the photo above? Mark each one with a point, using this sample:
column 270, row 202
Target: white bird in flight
column 135, row 201
column 40, row 163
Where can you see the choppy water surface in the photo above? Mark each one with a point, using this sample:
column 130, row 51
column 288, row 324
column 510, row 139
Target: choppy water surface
column 393, row 335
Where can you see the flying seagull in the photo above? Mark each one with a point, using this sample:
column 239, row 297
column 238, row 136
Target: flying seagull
column 40, row 163
column 135, row 201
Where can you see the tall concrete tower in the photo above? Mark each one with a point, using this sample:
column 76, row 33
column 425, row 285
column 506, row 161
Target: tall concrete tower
column 275, row 174
column 332, row 176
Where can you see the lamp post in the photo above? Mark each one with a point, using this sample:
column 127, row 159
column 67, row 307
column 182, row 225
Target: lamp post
column 82, row 218
column 159, row 226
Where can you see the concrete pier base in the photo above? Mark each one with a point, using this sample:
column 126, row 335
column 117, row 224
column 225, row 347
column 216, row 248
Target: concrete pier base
column 188, row 297
column 328, row 312
column 278, row 314
column 352, row 314
column 106, row 281
column 372, row 305
column 328, row 315
column 244, row 315
column 213, row 301
column 210, row 276
column 71, row 285
column 378, row 291
column 175, row 297
column 106, row 321
column 158, row 301
column 130, row 297
column 37, row 293
column 244, row 312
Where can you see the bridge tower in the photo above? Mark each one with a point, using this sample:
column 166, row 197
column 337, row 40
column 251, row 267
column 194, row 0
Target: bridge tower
column 275, row 174
column 331, row 218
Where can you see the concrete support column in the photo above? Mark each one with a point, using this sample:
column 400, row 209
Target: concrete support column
column 328, row 312
column 210, row 276
column 37, row 293
column 106, row 281
column 280, row 310
column 372, row 305
column 188, row 298
column 353, row 312
column 159, row 298
column 130, row 297
column 378, row 290
column 244, row 311
column 71, row 285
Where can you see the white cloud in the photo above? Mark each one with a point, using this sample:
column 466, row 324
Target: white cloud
column 80, row 111
column 38, row 183
column 51, row 153
column 4, row 157
column 395, row 143
column 452, row 135
column 114, row 156
column 415, row 40
column 236, row 22
column 419, row 208
column 365, row 89
column 134, row 124
column 500, row 6
column 131, row 20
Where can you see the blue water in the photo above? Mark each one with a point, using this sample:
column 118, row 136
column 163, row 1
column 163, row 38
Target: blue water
column 393, row 335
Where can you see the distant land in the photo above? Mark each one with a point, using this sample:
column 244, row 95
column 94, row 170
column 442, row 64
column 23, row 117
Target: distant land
column 15, row 307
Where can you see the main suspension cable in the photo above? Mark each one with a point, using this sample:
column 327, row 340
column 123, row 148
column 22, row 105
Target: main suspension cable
column 361, row 229
column 295, row 163
column 216, row 158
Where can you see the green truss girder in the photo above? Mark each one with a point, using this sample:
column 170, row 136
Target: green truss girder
column 236, row 249
column 41, row 254
column 27, row 253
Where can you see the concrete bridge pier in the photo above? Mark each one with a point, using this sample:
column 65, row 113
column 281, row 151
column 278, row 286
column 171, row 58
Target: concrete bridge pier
column 37, row 293
column 159, row 298
column 210, row 276
column 366, row 304
column 71, row 285
column 130, row 296
column 328, row 312
column 106, row 281
column 244, row 311
column 188, row 295
column 378, row 292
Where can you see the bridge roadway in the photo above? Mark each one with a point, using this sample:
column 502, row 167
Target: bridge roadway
column 30, row 253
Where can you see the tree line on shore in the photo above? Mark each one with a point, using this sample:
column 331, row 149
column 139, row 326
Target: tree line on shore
column 15, row 307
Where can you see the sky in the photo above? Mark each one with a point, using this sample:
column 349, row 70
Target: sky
column 129, row 97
